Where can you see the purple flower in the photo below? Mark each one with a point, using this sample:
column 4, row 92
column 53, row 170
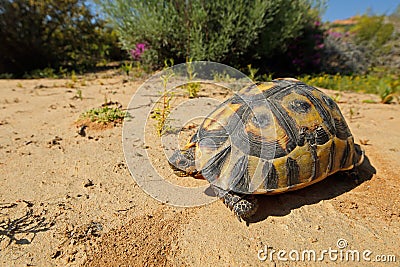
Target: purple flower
column 141, row 47
column 335, row 34
column 138, row 51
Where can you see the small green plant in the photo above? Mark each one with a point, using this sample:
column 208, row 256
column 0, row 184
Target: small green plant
column 19, row 85
column 222, row 77
column 267, row 77
column 351, row 111
column 74, row 78
column 369, row 101
column 161, row 113
column 139, row 71
column 6, row 75
column 41, row 73
column 168, row 63
column 69, row 84
column 78, row 94
column 191, row 87
column 252, row 72
column 127, row 68
column 105, row 100
column 337, row 97
column 388, row 92
column 105, row 115
column 386, row 95
column 63, row 72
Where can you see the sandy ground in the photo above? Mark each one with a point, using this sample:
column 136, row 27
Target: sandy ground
column 70, row 200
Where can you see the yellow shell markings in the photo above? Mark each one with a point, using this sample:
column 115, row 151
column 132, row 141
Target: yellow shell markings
column 340, row 150
column 335, row 113
column 224, row 180
column 281, row 136
column 323, row 152
column 305, row 164
column 255, row 167
column 268, row 131
column 205, row 153
column 303, row 157
column 217, row 120
column 311, row 119
column 189, row 145
column 255, row 90
column 221, row 116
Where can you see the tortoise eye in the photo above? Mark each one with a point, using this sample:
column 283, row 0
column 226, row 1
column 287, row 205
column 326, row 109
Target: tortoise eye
column 182, row 162
column 300, row 106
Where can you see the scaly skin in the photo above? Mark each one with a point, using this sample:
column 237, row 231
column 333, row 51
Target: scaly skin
column 244, row 206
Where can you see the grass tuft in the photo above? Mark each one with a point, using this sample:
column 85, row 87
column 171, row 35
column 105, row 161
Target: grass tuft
column 105, row 115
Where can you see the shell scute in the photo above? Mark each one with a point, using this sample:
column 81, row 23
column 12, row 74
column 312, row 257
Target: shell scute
column 274, row 137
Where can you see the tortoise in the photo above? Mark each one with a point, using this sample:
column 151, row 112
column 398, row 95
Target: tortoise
column 268, row 138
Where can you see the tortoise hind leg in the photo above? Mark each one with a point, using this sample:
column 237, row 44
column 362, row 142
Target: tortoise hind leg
column 243, row 206
column 358, row 160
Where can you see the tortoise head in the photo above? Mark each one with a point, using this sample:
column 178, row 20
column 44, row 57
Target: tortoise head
column 182, row 162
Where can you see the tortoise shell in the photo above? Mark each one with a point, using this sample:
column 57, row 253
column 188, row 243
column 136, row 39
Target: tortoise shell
column 273, row 137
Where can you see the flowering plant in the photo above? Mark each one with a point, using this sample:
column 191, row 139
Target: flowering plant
column 138, row 51
column 305, row 51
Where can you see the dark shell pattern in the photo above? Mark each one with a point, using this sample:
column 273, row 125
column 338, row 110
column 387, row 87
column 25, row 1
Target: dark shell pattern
column 274, row 137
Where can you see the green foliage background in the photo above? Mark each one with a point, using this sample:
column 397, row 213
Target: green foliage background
column 282, row 37
column 52, row 33
column 223, row 30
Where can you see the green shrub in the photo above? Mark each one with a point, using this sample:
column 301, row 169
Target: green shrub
column 52, row 34
column 372, row 31
column 356, row 48
column 232, row 32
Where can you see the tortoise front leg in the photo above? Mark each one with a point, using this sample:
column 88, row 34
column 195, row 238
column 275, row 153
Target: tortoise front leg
column 243, row 206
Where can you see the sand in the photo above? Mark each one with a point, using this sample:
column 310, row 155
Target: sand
column 68, row 199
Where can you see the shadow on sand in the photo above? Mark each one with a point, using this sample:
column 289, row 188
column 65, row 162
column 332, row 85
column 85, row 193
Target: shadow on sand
column 331, row 187
column 29, row 223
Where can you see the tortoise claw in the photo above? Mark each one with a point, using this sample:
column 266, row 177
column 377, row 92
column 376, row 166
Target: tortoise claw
column 242, row 207
column 245, row 208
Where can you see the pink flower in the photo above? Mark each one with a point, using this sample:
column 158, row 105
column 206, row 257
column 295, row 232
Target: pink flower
column 138, row 51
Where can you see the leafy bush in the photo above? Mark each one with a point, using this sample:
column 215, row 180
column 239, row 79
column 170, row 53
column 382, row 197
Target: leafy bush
column 373, row 32
column 342, row 55
column 304, row 53
column 232, row 32
column 50, row 34
column 358, row 47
